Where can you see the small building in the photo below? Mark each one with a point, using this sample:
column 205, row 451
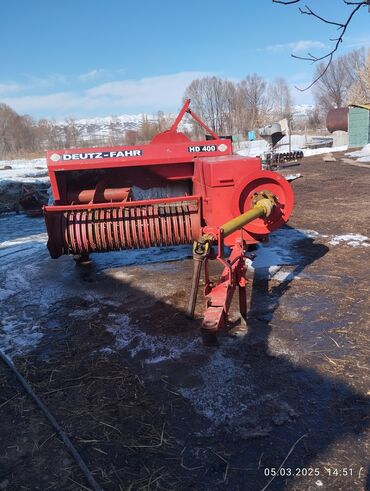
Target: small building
column 358, row 125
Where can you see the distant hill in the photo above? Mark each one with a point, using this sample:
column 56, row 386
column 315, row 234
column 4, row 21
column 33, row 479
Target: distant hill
column 105, row 128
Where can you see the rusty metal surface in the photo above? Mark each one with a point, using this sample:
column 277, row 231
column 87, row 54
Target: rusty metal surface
column 337, row 119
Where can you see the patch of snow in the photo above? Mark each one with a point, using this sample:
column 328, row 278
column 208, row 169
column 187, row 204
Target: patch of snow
column 280, row 250
column 19, row 334
column 38, row 238
column 298, row 142
column 354, row 240
column 364, row 159
column 308, row 152
column 23, row 170
column 313, row 234
column 284, row 276
column 220, row 397
column 157, row 348
column 292, row 177
column 364, row 152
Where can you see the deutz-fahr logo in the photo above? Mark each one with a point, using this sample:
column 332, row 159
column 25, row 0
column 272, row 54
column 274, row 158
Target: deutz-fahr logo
column 118, row 154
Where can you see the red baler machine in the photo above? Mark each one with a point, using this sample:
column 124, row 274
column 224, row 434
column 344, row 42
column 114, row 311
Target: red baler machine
column 168, row 192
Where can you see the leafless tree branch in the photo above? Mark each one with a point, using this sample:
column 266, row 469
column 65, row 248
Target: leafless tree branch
column 308, row 11
column 342, row 28
column 287, row 2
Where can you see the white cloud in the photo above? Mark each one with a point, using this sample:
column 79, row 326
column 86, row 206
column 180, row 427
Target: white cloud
column 10, row 88
column 92, row 75
column 49, row 81
column 297, row 46
column 148, row 94
column 357, row 42
column 147, row 91
column 40, row 103
column 53, row 80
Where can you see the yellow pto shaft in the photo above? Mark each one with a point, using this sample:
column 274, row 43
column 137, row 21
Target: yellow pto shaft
column 263, row 203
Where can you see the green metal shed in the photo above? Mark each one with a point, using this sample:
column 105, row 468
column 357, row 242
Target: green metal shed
column 358, row 125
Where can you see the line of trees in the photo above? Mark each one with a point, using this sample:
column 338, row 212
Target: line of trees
column 22, row 136
column 230, row 108
column 227, row 107
column 344, row 82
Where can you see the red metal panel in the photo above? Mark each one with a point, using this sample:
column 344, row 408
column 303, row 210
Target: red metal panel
column 150, row 154
column 215, row 178
column 126, row 204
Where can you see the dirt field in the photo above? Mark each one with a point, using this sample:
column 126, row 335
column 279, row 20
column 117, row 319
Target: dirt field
column 110, row 352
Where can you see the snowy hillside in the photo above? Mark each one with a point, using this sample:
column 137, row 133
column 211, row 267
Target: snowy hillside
column 106, row 127
column 302, row 110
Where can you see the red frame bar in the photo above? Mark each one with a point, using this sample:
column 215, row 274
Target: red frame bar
column 121, row 204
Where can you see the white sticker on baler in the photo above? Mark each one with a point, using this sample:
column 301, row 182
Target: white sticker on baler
column 117, row 154
column 202, row 148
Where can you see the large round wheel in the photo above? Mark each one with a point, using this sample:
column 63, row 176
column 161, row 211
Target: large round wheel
column 261, row 181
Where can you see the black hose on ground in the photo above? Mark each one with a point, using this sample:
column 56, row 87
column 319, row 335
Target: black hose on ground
column 67, row 442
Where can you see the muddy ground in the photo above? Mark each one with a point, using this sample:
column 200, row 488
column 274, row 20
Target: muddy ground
column 110, row 352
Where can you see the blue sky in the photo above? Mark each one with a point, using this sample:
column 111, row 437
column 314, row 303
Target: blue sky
column 86, row 58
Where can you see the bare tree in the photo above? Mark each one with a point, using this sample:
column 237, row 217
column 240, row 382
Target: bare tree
column 359, row 92
column 253, row 100
column 148, row 129
column 71, row 134
column 213, row 100
column 315, row 118
column 341, row 27
column 131, row 137
column 116, row 135
column 17, row 133
column 164, row 121
column 332, row 87
column 281, row 99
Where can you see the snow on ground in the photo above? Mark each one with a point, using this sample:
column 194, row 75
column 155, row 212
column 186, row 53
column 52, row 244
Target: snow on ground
column 216, row 397
column 15, row 173
column 362, row 155
column 157, row 348
column 298, row 142
column 292, row 177
column 318, row 151
column 354, row 240
column 31, row 282
column 27, row 171
column 33, row 287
